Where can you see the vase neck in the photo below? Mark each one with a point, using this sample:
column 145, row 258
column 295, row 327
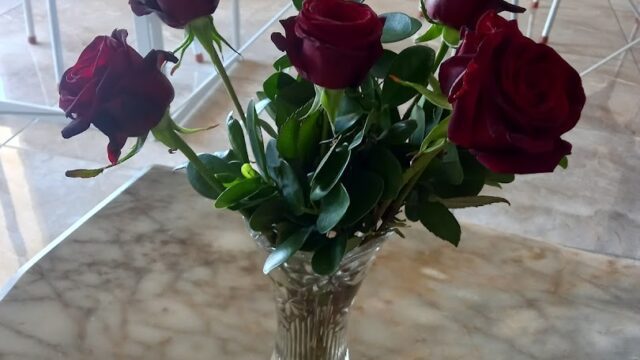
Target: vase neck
column 313, row 310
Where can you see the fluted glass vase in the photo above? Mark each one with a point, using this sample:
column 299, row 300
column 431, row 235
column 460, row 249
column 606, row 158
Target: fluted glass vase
column 313, row 310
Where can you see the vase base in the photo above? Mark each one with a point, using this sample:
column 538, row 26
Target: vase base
column 275, row 356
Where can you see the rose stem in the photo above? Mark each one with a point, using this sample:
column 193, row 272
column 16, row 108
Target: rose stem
column 207, row 44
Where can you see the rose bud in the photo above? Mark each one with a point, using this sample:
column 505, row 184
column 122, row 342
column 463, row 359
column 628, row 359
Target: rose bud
column 459, row 13
column 512, row 98
column 175, row 13
column 332, row 43
column 115, row 89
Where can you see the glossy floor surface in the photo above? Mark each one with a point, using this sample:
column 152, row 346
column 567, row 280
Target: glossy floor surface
column 595, row 205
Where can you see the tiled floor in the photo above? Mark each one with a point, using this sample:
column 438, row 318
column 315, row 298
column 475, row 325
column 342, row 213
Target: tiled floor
column 594, row 205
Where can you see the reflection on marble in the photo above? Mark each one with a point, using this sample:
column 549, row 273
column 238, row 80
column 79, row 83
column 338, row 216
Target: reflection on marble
column 37, row 203
column 161, row 275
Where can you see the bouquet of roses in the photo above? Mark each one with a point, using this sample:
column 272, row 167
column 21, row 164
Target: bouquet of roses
column 355, row 140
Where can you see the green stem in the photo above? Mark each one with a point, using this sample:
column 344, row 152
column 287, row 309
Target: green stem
column 202, row 33
column 165, row 133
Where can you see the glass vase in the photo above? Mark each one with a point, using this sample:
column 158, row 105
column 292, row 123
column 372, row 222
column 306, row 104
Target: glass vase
column 313, row 310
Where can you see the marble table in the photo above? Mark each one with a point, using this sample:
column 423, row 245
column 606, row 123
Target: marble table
column 157, row 273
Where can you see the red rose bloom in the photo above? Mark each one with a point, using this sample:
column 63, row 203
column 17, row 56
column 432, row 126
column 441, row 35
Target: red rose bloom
column 175, row 13
column 459, row 13
column 512, row 98
column 115, row 89
column 332, row 43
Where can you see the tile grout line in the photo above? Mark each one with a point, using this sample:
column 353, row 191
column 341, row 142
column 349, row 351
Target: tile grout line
column 32, row 122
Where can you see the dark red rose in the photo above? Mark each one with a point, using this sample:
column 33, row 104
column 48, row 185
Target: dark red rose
column 459, row 13
column 512, row 98
column 115, row 89
column 332, row 43
column 175, row 13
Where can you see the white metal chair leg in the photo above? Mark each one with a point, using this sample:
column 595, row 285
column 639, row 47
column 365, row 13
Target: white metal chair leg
column 610, row 57
column 237, row 40
column 535, row 4
column 553, row 12
column 21, row 108
column 514, row 16
column 632, row 36
column 28, row 19
column 56, row 42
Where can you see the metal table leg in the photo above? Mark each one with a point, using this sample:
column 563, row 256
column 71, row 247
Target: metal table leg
column 28, row 19
column 56, row 42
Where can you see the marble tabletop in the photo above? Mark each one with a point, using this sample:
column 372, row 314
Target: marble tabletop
column 157, row 273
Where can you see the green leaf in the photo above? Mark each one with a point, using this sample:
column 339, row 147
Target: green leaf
column 385, row 164
column 359, row 137
column 236, row 139
column 418, row 114
column 282, row 63
column 288, row 139
column 326, row 260
column 564, row 163
column 275, row 82
column 309, row 138
column 435, row 30
column 451, row 163
column 345, row 122
column 436, row 98
column 365, row 189
column 398, row 26
column 437, row 133
column 239, row 192
column 412, row 65
column 287, row 95
column 332, row 208
column 84, row 173
column 298, row 4
column 382, row 66
column 217, row 166
column 263, row 195
column 267, row 214
column 472, row 201
column 255, row 136
column 472, row 184
column 451, row 36
column 412, row 207
column 399, row 132
column 495, row 179
column 286, row 178
column 329, row 171
column 286, row 249
column 268, row 128
column 441, row 222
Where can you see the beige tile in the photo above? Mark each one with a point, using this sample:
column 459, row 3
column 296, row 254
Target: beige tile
column 38, row 203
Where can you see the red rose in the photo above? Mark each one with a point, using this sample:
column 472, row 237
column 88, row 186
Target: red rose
column 512, row 98
column 115, row 89
column 332, row 43
column 175, row 13
column 459, row 13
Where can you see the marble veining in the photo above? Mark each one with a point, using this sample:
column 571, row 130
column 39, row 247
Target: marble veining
column 159, row 274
